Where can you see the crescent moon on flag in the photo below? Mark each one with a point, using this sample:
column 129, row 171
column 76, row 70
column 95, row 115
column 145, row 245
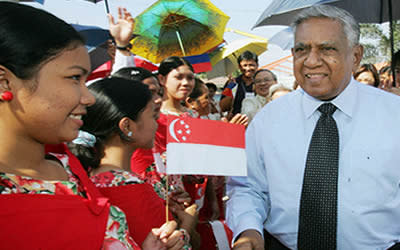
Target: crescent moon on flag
column 172, row 129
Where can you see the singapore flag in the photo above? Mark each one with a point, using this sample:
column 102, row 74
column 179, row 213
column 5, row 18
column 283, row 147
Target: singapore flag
column 205, row 147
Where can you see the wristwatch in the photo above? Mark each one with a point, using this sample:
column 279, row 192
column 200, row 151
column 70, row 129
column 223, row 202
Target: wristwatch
column 127, row 47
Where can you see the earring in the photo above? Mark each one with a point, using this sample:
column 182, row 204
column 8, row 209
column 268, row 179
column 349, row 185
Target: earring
column 130, row 133
column 7, row 95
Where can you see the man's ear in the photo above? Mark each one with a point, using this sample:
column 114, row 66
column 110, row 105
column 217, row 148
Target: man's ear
column 358, row 52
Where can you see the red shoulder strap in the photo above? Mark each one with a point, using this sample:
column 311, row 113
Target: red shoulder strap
column 95, row 200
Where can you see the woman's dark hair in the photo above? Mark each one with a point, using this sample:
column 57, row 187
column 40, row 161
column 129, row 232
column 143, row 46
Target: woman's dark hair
column 133, row 73
column 116, row 98
column 171, row 63
column 368, row 67
column 211, row 85
column 385, row 69
column 29, row 37
column 197, row 89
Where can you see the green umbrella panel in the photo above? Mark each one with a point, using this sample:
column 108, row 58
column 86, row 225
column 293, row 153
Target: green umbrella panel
column 178, row 28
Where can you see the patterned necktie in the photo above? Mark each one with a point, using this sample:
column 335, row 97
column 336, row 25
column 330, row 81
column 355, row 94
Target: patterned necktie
column 318, row 204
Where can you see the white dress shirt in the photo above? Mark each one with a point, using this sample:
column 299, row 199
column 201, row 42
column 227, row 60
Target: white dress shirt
column 251, row 105
column 122, row 61
column 277, row 141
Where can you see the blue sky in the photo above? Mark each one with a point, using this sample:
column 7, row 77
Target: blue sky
column 243, row 15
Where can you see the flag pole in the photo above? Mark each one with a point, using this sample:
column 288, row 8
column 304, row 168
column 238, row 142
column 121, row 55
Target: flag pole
column 166, row 198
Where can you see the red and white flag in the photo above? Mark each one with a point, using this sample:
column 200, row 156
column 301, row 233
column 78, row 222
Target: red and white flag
column 205, row 147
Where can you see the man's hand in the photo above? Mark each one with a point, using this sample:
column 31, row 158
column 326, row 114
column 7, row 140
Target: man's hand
column 122, row 30
column 249, row 240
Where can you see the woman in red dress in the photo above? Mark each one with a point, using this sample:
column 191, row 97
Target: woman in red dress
column 122, row 120
column 47, row 200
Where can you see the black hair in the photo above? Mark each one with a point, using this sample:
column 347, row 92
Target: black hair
column 197, row 91
column 171, row 63
column 133, row 73
column 29, row 37
column 211, row 85
column 138, row 74
column 247, row 55
column 116, row 98
column 266, row 70
column 386, row 69
column 368, row 67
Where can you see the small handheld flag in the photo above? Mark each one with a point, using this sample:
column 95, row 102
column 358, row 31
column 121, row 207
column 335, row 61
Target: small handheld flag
column 205, row 147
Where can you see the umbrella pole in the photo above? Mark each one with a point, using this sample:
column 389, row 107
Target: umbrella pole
column 107, row 8
column 391, row 39
column 180, row 42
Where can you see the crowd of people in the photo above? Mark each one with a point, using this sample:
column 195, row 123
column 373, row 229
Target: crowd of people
column 82, row 165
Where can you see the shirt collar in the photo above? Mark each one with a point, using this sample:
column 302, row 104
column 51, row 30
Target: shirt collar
column 261, row 99
column 345, row 101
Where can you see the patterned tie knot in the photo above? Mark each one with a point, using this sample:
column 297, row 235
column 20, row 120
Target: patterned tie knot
column 327, row 108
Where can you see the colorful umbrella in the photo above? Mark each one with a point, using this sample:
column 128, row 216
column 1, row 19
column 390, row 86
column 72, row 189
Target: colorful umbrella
column 224, row 60
column 178, row 28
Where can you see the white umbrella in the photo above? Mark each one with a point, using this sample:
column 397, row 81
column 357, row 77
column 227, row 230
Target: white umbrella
column 283, row 38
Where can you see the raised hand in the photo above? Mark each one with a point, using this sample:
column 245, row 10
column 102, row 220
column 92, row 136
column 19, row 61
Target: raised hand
column 122, row 30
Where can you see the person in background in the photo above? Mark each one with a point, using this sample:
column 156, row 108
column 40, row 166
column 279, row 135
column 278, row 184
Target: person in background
column 367, row 74
column 337, row 190
column 122, row 120
column 242, row 86
column 277, row 90
column 199, row 99
column 263, row 80
column 386, row 80
column 385, row 77
column 176, row 77
column 42, row 99
column 215, row 109
column 147, row 78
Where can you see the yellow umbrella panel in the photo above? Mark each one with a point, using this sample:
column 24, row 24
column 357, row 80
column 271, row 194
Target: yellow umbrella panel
column 178, row 28
column 224, row 61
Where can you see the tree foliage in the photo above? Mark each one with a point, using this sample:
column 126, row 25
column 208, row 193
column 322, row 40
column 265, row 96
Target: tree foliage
column 376, row 42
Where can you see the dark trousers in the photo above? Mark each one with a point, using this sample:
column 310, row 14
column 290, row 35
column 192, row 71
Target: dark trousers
column 273, row 244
